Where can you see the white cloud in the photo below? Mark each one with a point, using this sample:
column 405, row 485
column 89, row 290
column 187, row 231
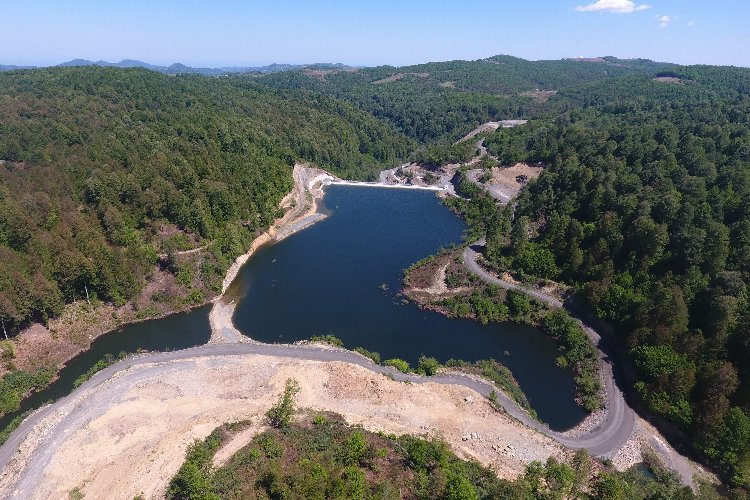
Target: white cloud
column 614, row 6
column 664, row 21
column 691, row 24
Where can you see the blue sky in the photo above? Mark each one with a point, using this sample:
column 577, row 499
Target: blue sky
column 234, row 32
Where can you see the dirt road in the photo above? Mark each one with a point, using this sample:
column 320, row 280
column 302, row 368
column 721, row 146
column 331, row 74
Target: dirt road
column 126, row 429
column 23, row 477
column 36, row 445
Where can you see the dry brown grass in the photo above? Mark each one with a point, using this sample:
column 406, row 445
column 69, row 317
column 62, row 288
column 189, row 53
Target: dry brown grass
column 399, row 76
column 539, row 95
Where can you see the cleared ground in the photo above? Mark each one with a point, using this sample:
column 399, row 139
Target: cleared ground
column 506, row 182
column 128, row 435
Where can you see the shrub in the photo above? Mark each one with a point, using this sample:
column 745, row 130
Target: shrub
column 375, row 356
column 328, row 339
column 428, row 366
column 535, row 260
column 398, row 364
column 280, row 414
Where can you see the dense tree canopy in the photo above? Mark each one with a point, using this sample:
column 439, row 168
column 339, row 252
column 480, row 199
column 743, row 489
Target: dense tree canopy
column 95, row 159
column 446, row 100
column 645, row 208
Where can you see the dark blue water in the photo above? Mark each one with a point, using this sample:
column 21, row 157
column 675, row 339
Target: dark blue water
column 329, row 279
column 178, row 331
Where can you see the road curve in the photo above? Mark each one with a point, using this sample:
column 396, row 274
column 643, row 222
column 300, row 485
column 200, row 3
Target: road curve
column 619, row 421
column 601, row 441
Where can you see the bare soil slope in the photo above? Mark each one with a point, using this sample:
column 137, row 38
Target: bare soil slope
column 129, row 435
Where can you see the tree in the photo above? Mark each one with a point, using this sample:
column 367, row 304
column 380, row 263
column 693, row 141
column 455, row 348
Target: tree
column 519, row 234
column 535, row 260
column 280, row 414
column 428, row 366
column 610, row 487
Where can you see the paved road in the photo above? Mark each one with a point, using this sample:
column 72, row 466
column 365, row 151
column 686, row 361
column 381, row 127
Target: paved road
column 619, row 422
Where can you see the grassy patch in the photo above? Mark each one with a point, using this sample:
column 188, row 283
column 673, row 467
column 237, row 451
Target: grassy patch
column 107, row 360
column 497, row 373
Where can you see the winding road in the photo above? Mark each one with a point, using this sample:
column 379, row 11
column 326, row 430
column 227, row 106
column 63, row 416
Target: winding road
column 603, row 440
column 620, row 420
column 600, row 441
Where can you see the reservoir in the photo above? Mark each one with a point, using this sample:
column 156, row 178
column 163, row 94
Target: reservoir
column 178, row 331
column 342, row 276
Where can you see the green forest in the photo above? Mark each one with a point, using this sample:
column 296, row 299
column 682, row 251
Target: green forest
column 643, row 207
column 96, row 160
column 318, row 455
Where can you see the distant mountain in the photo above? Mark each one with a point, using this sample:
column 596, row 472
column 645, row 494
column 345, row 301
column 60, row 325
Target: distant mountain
column 179, row 68
column 11, row 67
column 78, row 62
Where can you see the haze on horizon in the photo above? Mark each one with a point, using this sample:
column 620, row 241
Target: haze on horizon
column 370, row 33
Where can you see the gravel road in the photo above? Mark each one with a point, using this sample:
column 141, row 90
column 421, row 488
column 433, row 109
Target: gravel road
column 602, row 440
column 620, row 420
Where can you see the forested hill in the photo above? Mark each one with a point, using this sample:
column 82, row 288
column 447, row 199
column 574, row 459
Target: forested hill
column 445, row 100
column 97, row 160
column 644, row 208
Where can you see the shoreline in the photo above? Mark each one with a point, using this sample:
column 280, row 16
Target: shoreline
column 302, row 212
column 305, row 179
column 88, row 427
column 221, row 315
column 234, row 342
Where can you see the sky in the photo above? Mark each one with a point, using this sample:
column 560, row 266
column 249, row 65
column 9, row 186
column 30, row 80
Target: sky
column 219, row 33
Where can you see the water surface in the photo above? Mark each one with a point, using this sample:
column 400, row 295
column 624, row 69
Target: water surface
column 178, row 331
column 341, row 277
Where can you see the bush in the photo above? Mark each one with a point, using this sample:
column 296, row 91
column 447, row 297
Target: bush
column 280, row 414
column 518, row 303
column 398, row 364
column 17, row 383
column 428, row 366
column 193, row 480
column 537, row 261
column 100, row 365
column 328, row 339
column 375, row 356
